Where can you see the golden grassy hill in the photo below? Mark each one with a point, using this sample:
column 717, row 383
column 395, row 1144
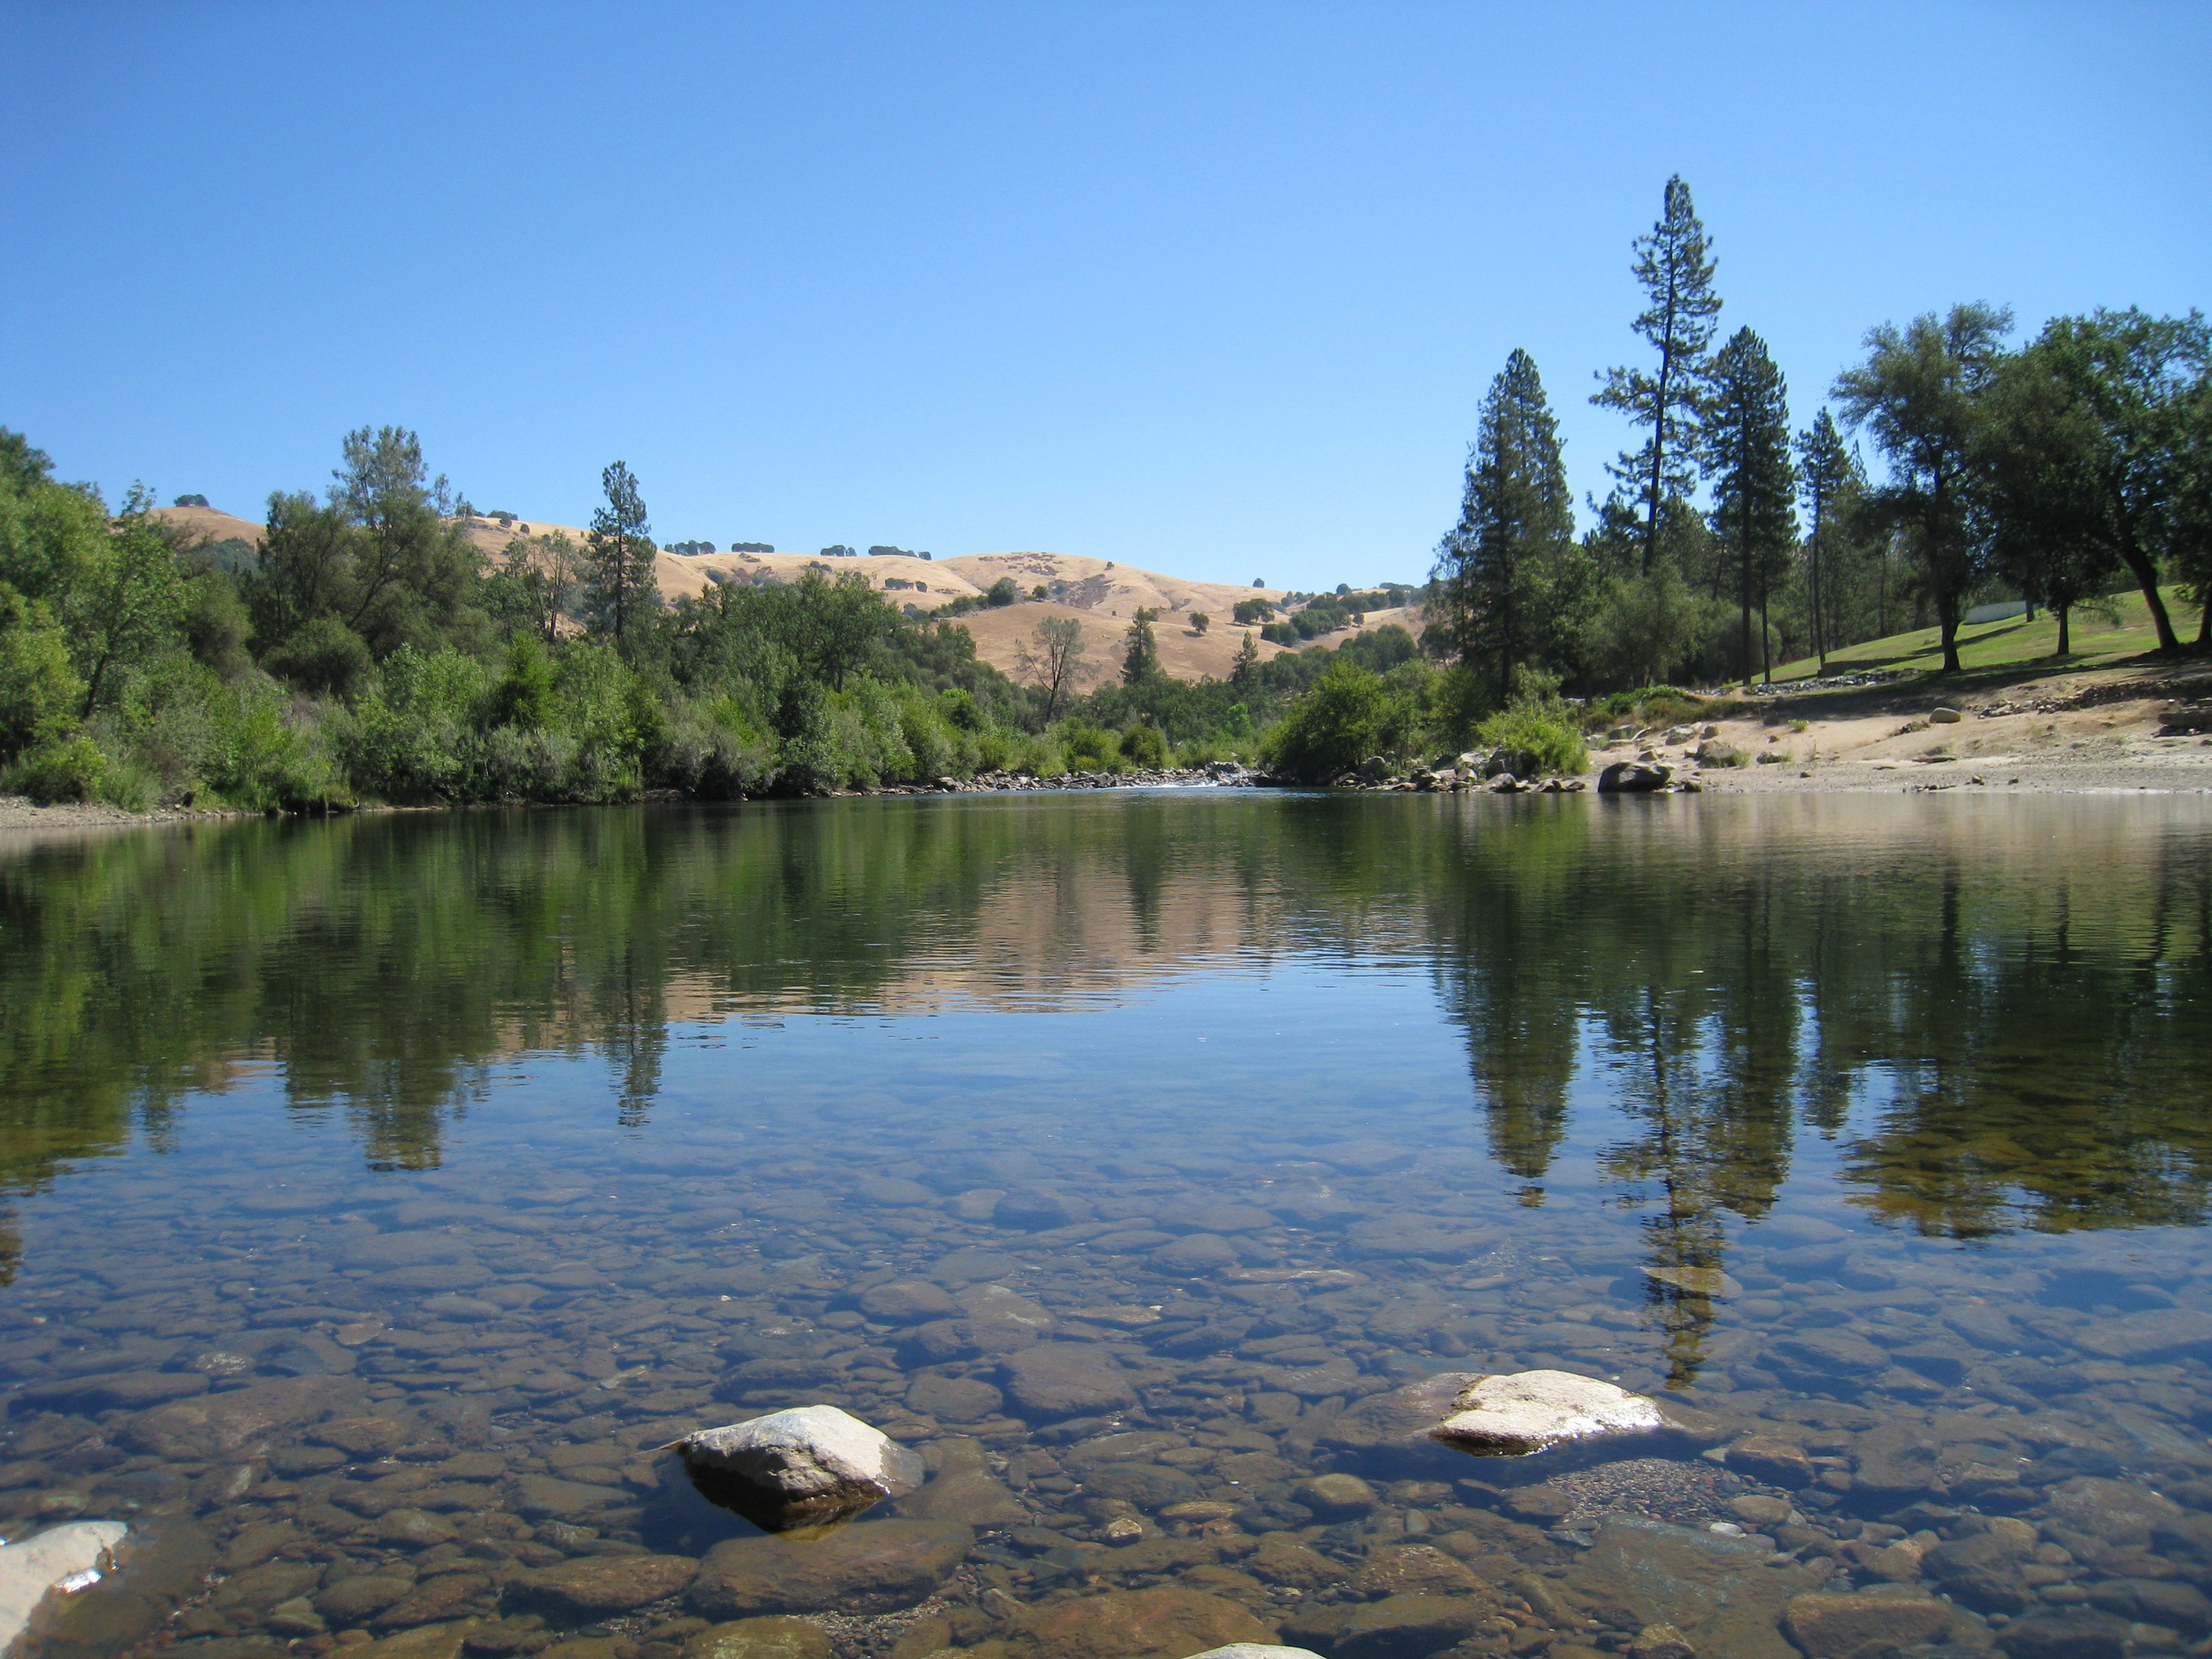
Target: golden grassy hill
column 1103, row 585
column 686, row 575
column 1000, row 634
column 208, row 524
column 1103, row 594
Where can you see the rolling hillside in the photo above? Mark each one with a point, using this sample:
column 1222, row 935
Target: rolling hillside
column 1104, row 594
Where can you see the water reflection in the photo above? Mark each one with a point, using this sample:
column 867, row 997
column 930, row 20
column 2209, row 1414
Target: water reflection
column 2015, row 994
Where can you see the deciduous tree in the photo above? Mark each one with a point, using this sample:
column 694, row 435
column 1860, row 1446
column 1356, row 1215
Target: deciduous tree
column 129, row 602
column 1918, row 395
column 2139, row 377
column 2037, row 489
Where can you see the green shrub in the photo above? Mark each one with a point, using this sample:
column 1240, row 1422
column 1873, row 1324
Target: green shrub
column 1456, row 703
column 1349, row 715
column 1035, row 757
column 39, row 692
column 958, row 707
column 324, row 656
column 130, row 785
column 59, row 769
column 1088, row 748
column 523, row 696
column 1144, row 748
column 1557, row 746
column 216, row 623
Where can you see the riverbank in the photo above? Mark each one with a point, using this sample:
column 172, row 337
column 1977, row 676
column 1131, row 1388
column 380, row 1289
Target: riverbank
column 2146, row 727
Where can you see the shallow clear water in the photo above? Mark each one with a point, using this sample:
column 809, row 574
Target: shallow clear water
column 382, row 1191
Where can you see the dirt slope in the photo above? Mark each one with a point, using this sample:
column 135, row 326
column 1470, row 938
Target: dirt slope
column 2143, row 726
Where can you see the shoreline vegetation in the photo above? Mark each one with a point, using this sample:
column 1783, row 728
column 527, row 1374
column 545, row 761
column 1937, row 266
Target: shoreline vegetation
column 364, row 650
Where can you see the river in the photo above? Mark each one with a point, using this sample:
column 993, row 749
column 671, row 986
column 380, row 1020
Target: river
column 381, row 1193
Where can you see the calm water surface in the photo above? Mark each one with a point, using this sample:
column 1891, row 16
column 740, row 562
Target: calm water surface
column 380, row 1193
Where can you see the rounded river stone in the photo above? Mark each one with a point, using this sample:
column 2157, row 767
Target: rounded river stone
column 907, row 1302
column 773, row 1638
column 1146, row 1624
column 592, row 1585
column 1060, row 1379
column 953, row 1399
column 871, row 1566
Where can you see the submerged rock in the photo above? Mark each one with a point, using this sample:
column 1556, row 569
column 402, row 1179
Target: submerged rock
column 65, row 1559
column 1058, row 1379
column 592, row 1586
column 777, row 1636
column 1515, row 1415
column 1842, row 1626
column 1146, row 1624
column 877, row 1566
column 240, row 1421
column 1721, row 1592
column 1402, row 1416
column 806, row 1467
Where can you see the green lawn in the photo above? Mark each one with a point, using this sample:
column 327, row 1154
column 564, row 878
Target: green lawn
column 2015, row 640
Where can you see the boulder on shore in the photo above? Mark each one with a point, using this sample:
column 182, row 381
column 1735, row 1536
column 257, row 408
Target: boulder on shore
column 1634, row 778
column 806, row 1467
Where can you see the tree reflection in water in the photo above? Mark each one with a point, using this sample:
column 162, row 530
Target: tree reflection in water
column 1991, row 1007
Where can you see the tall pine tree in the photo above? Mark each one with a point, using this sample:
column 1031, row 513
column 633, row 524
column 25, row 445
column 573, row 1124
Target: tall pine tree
column 1140, row 657
column 1490, row 607
column 1831, row 481
column 1676, row 271
column 1747, row 455
column 618, row 557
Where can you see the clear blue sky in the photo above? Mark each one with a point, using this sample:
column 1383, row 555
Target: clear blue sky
column 1208, row 287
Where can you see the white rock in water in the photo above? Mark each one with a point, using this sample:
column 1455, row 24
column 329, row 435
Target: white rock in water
column 1512, row 1416
column 30, row 1570
column 1256, row 1650
column 790, row 1468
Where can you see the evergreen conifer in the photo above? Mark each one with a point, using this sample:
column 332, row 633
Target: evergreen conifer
column 1676, row 271
column 1747, row 454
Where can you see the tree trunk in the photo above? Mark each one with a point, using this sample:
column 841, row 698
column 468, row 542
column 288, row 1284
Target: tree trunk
column 2065, row 637
column 2204, row 618
column 1744, row 595
column 2146, row 575
column 1765, row 643
column 1946, row 617
column 1819, row 616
